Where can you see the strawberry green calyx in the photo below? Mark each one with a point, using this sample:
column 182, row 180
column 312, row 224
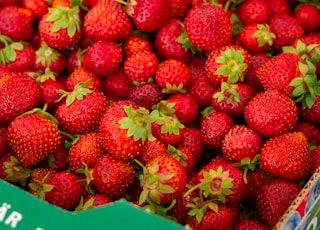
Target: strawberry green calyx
column 228, row 94
column 138, row 123
column 40, row 188
column 154, row 184
column 164, row 109
column 65, row 18
column 305, row 52
column 43, row 113
column 247, row 164
column 186, row 44
column 307, row 86
column 199, row 207
column 48, row 74
column 206, row 111
column 160, row 210
column 80, row 90
column 177, row 154
column 237, row 24
column 170, row 89
column 16, row 172
column 232, row 65
column 8, row 53
column 264, row 35
column 46, row 54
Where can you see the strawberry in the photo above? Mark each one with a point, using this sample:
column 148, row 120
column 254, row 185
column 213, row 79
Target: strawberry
column 100, row 64
column 279, row 7
column 10, row 3
column 179, row 9
column 82, row 110
column 119, row 178
column 33, row 137
column 278, row 25
column 117, row 86
column 149, row 16
column 287, row 156
column 256, row 38
column 172, row 76
column 16, row 22
column 310, row 114
column 81, row 74
column 60, row 28
column 208, row 27
column 38, row 176
column 166, row 44
column 241, row 144
column 163, row 179
column 227, row 64
column 135, row 43
column 214, row 127
column 19, row 93
column 4, row 145
column 232, row 98
column 124, row 128
column 249, row 224
column 116, row 25
column 315, row 162
column 84, row 152
column 184, row 156
column 311, row 131
column 38, row 7
column 63, row 190
column 185, row 107
column 220, row 219
column 59, row 159
column 141, row 66
column 254, row 12
column 150, row 150
column 266, row 110
column 146, row 95
column 256, row 60
column 48, row 57
column 92, row 201
column 308, row 15
column 274, row 198
column 13, row 171
column 74, row 59
column 192, row 140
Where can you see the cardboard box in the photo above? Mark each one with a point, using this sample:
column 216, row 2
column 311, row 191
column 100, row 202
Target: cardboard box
column 22, row 211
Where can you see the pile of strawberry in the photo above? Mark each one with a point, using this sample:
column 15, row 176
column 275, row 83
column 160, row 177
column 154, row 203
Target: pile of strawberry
column 203, row 112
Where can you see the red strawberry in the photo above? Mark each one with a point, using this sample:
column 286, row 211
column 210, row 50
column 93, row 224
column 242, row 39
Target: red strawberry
column 82, row 110
column 146, row 95
column 208, row 27
column 232, row 98
column 74, row 59
column 98, row 63
column 227, row 64
column 192, row 140
column 179, row 9
column 4, row 145
column 141, row 66
column 312, row 114
column 150, row 150
column 256, row 38
column 172, row 76
column 249, row 224
column 92, row 201
column 163, row 179
column 136, row 43
column 119, row 132
column 116, row 25
column 18, row 94
column 38, row 177
column 311, row 131
column 279, row 7
column 184, row 156
column 33, row 137
column 278, row 25
column 166, row 44
column 13, row 171
column 274, row 198
column 81, row 74
column 63, row 190
column 315, row 162
column 220, row 219
column 117, row 86
column 266, row 111
column 10, row 3
column 38, row 7
column 287, row 156
column 85, row 152
column 308, row 15
column 149, row 15
column 119, row 178
column 48, row 57
column 254, row 12
column 214, row 127
column 16, row 22
column 59, row 160
column 185, row 107
column 60, row 27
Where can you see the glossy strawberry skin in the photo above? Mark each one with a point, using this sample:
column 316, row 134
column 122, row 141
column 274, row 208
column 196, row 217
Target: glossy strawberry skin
column 43, row 137
column 136, row 43
column 66, row 192
column 192, row 140
column 4, row 145
column 150, row 150
column 118, row 179
column 38, row 7
column 308, row 16
column 254, row 11
column 311, row 115
column 38, row 177
column 287, row 156
column 18, row 94
column 166, row 138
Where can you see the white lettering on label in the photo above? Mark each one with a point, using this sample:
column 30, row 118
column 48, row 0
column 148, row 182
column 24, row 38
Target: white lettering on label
column 14, row 217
